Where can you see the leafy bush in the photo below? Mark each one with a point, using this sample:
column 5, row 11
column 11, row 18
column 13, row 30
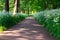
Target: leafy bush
column 50, row 20
column 7, row 20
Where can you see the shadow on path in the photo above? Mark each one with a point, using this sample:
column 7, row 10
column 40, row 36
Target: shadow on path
column 26, row 30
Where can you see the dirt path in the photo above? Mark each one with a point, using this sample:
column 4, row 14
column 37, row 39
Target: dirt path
column 26, row 30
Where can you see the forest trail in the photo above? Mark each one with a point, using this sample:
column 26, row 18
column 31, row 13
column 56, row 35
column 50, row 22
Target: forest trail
column 28, row 29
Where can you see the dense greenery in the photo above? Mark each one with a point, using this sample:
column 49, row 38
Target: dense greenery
column 1, row 5
column 50, row 20
column 33, row 5
column 7, row 20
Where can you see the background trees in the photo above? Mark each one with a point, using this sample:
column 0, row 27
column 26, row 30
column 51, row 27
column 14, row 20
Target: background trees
column 16, row 6
column 6, row 5
column 29, row 6
column 1, row 5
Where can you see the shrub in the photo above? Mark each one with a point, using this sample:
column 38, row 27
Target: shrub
column 7, row 20
column 50, row 20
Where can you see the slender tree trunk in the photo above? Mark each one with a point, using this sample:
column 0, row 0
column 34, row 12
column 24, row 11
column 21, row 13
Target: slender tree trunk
column 46, row 4
column 7, row 5
column 16, row 6
column 28, row 11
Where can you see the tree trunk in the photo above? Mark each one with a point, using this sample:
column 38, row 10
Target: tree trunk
column 16, row 6
column 46, row 4
column 7, row 5
column 28, row 11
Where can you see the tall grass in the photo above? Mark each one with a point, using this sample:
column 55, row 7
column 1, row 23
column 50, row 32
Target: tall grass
column 50, row 19
column 7, row 20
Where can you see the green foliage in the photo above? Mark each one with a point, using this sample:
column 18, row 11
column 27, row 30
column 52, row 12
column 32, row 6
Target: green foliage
column 11, row 5
column 1, row 5
column 33, row 5
column 7, row 20
column 50, row 19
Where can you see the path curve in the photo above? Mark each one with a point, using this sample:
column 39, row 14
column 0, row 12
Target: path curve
column 28, row 29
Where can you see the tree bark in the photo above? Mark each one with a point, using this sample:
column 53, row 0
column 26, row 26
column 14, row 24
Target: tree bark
column 16, row 6
column 7, row 5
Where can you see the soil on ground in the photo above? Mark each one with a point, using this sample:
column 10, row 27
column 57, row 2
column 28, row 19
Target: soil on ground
column 28, row 29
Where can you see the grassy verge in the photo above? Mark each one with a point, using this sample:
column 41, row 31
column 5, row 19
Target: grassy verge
column 7, row 20
column 50, row 19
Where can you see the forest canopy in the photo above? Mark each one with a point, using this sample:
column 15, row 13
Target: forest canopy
column 32, row 5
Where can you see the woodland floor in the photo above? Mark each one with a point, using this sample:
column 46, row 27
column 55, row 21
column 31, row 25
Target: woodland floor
column 28, row 29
